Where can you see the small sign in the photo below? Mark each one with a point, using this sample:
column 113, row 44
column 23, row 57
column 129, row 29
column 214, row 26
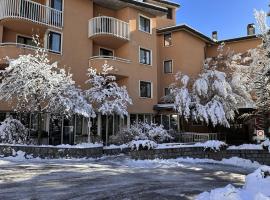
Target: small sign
column 260, row 135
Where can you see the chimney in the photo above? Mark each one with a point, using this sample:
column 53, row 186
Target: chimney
column 251, row 29
column 215, row 35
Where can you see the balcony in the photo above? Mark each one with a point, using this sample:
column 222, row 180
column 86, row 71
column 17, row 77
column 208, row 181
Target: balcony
column 31, row 11
column 13, row 50
column 109, row 31
column 121, row 65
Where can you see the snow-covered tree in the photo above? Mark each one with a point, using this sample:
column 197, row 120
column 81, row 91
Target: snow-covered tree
column 106, row 95
column 216, row 94
column 12, row 131
column 32, row 84
column 260, row 66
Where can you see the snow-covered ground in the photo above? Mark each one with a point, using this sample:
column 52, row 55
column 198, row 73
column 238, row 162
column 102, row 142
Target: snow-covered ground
column 117, row 177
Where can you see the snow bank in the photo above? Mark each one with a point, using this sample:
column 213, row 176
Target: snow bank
column 212, row 144
column 247, row 146
column 112, row 146
column 257, row 187
column 142, row 144
column 78, row 146
column 266, row 144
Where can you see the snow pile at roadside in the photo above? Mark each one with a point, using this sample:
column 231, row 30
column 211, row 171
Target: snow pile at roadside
column 113, row 146
column 82, row 145
column 77, row 146
column 142, row 144
column 212, row 144
column 247, row 146
column 266, row 144
column 257, row 187
column 170, row 163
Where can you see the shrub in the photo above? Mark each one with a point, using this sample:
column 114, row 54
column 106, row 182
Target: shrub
column 12, row 131
column 141, row 131
column 266, row 145
column 142, row 145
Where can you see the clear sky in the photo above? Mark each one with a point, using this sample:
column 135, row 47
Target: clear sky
column 228, row 17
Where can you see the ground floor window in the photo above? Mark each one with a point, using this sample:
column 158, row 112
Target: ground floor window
column 170, row 121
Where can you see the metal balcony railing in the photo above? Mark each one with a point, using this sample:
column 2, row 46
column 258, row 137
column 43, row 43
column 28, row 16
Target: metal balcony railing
column 32, row 11
column 109, row 26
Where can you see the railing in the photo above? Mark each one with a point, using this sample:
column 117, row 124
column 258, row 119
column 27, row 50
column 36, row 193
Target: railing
column 200, row 137
column 109, row 26
column 110, row 58
column 32, row 11
column 26, row 47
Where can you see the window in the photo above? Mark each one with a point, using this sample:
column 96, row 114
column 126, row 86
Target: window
column 167, row 91
column 57, row 4
column 168, row 66
column 167, row 39
column 54, row 42
column 145, row 89
column 145, row 24
column 145, row 56
column 170, row 13
column 25, row 40
column 105, row 52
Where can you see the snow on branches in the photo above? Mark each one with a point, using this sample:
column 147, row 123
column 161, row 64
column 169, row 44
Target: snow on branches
column 12, row 131
column 34, row 84
column 105, row 93
column 215, row 95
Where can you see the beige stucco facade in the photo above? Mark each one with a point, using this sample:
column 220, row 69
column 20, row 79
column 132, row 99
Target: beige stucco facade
column 79, row 24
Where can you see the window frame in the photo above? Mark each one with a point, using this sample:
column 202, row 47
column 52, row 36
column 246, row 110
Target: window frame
column 167, row 88
column 107, row 50
column 48, row 41
column 164, row 71
column 151, row 92
column 139, row 24
column 151, row 58
column 169, row 13
column 168, row 33
column 25, row 37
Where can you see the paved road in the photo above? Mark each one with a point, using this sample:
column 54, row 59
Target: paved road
column 111, row 178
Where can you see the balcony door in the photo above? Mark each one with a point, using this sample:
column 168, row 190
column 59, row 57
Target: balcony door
column 56, row 15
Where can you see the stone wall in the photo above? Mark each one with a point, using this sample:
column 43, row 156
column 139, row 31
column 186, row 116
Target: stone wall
column 261, row 156
column 51, row 152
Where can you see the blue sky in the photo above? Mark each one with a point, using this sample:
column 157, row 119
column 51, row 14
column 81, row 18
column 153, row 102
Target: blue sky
column 228, row 17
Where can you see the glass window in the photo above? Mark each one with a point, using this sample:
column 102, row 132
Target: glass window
column 2, row 117
column 57, row 4
column 157, row 119
column 145, row 24
column 140, row 118
column 25, row 40
column 54, row 42
column 145, row 56
column 166, row 121
column 174, row 122
column 147, row 119
column 167, row 91
column 167, row 39
column 145, row 89
column 168, row 66
column 133, row 119
column 170, row 13
column 105, row 52
column 79, row 125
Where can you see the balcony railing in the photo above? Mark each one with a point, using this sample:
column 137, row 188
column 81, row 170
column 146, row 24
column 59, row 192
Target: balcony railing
column 32, row 11
column 108, row 26
column 110, row 58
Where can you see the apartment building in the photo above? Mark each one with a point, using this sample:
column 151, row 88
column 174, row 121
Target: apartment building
column 139, row 38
